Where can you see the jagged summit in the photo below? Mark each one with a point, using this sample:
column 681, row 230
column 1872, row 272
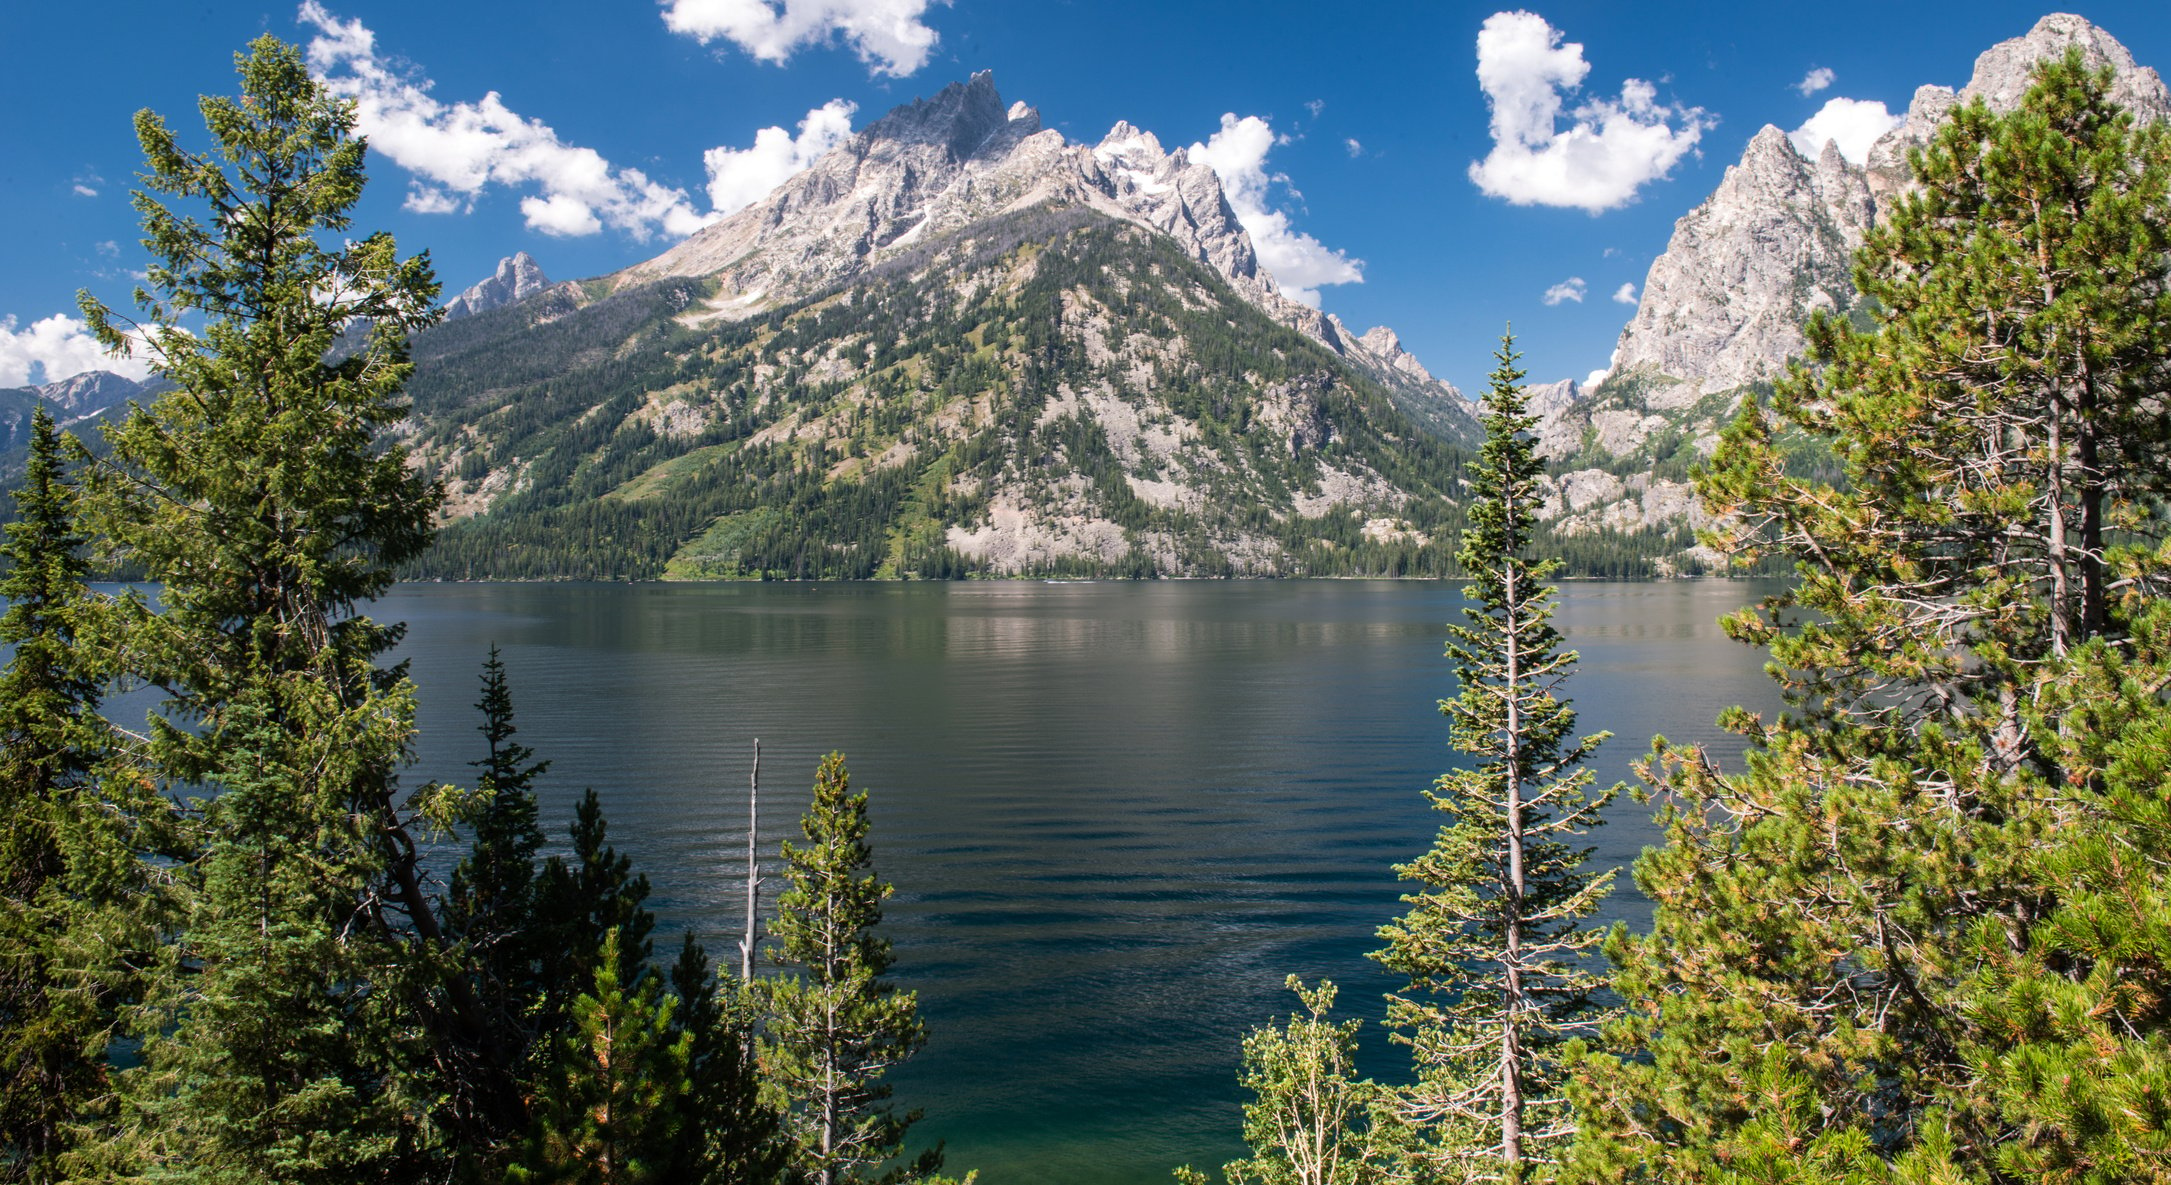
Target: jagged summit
column 1725, row 303
column 518, row 277
column 2001, row 78
column 961, row 159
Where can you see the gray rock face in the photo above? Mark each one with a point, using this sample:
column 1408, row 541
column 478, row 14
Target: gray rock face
column 939, row 165
column 2001, row 79
column 518, row 278
column 1724, row 305
column 88, row 393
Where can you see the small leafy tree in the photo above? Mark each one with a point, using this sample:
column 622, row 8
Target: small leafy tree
column 1310, row 1120
column 1495, row 940
column 836, row 1027
column 605, row 1113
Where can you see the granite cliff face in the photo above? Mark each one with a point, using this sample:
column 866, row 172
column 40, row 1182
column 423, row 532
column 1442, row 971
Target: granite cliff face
column 963, row 158
column 518, row 277
column 1723, row 307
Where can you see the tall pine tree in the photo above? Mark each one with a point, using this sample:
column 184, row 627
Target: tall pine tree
column 1495, row 940
column 304, row 984
column 1870, row 936
column 836, row 1027
column 67, row 872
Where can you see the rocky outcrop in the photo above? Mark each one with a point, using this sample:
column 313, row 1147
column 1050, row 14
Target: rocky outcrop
column 934, row 167
column 518, row 277
column 2001, row 79
column 1724, row 305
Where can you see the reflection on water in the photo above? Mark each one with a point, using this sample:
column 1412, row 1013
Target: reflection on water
column 1116, row 814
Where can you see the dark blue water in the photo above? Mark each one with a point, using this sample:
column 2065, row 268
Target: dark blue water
column 1117, row 815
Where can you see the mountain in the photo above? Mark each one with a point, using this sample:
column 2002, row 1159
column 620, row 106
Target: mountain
column 70, row 401
column 962, row 158
column 956, row 343
column 1723, row 306
column 518, row 277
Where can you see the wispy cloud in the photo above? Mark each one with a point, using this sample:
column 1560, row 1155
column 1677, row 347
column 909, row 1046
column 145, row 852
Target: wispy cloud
column 1625, row 294
column 1299, row 263
column 456, row 150
column 1610, row 148
column 1354, row 149
column 891, row 36
column 1570, row 289
column 1816, row 80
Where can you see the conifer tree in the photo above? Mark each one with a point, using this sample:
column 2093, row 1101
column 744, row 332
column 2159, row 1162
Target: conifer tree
column 606, row 1114
column 303, row 985
column 56, row 1008
column 1875, row 932
column 492, row 910
column 836, row 1027
column 735, row 1138
column 580, row 902
column 1495, row 938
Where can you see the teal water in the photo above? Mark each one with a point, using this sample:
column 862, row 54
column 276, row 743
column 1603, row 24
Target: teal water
column 1117, row 815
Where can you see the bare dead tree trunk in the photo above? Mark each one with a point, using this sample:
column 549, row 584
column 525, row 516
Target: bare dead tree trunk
column 753, row 868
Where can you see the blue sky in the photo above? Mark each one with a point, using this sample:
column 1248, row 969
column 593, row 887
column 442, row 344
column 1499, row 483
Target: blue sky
column 600, row 148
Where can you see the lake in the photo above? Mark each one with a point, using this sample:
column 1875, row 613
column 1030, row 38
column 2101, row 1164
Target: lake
column 1117, row 814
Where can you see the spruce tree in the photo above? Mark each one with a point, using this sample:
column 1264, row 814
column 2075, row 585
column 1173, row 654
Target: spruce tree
column 56, row 998
column 303, row 987
column 734, row 1137
column 1495, row 940
column 493, row 911
column 606, row 1114
column 836, row 1027
column 1866, row 943
column 581, row 901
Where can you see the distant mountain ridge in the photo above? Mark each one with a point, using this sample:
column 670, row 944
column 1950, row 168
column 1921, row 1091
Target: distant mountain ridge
column 955, row 344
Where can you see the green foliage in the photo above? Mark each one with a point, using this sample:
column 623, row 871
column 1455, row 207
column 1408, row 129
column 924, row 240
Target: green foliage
column 740, row 1141
column 1494, row 942
column 492, row 910
column 581, row 902
column 68, row 879
column 287, row 1034
column 835, row 1027
column 1310, row 1121
column 604, row 1113
column 1886, row 948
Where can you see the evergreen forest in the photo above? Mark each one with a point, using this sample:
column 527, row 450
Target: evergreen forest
column 1920, row 934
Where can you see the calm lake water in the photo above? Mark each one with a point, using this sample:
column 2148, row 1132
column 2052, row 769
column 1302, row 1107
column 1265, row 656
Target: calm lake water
column 1117, row 815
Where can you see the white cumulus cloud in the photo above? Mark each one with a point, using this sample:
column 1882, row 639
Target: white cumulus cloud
column 889, row 35
column 739, row 177
column 1609, row 149
column 1625, row 294
column 456, row 150
column 1853, row 124
column 1571, row 288
column 58, row 347
column 1352, row 147
column 1299, row 263
column 1816, row 80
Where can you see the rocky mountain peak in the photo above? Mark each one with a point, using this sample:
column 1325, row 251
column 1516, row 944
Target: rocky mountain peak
column 517, row 278
column 1725, row 304
column 86, row 393
column 2001, row 79
column 940, row 166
